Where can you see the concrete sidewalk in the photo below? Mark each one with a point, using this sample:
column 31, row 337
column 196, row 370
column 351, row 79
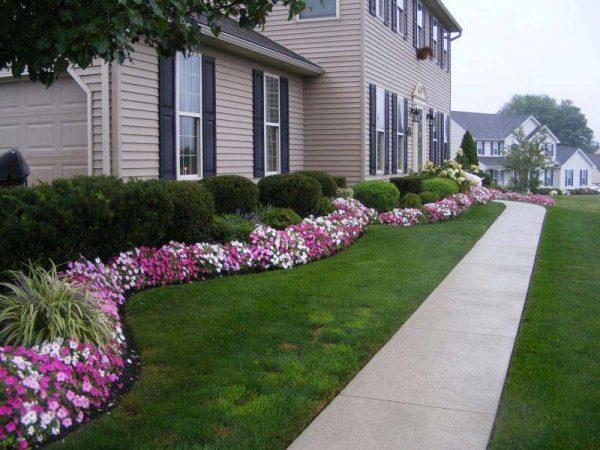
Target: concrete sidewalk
column 437, row 383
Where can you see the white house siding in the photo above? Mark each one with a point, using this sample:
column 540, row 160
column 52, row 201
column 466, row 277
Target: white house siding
column 576, row 162
column 332, row 101
column 456, row 135
column 528, row 126
column 391, row 63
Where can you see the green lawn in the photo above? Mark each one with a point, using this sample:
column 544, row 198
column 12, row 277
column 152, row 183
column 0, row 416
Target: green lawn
column 248, row 361
column 552, row 396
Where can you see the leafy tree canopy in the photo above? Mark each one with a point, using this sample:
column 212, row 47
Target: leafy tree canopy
column 563, row 118
column 44, row 37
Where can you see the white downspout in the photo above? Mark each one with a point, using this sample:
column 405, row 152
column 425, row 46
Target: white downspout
column 105, row 119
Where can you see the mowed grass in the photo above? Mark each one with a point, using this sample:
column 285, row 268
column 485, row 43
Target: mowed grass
column 552, row 395
column 247, row 361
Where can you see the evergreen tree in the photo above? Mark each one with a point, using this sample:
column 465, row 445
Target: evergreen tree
column 469, row 152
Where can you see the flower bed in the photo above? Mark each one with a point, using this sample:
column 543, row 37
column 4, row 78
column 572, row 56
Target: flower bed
column 543, row 200
column 51, row 388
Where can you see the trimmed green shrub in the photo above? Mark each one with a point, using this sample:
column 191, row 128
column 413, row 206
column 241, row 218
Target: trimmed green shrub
column 328, row 184
column 409, row 184
column 546, row 191
column 378, row 194
column 232, row 193
column 97, row 217
column 295, row 190
column 411, row 201
column 279, row 218
column 486, row 178
column 469, row 152
column 584, row 191
column 193, row 210
column 427, row 197
column 440, row 187
column 231, row 227
column 326, row 207
column 340, row 181
column 39, row 307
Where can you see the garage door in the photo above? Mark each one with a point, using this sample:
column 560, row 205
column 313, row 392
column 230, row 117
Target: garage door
column 48, row 125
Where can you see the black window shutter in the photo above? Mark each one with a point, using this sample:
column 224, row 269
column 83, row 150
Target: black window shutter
column 395, row 15
column 406, row 113
column 284, row 117
column 431, row 36
column 386, row 136
column 386, row 12
column 372, row 7
column 431, row 149
column 209, row 118
column 394, row 133
column 449, row 53
column 415, row 29
column 372, row 129
column 166, row 160
column 258, row 116
column 405, row 13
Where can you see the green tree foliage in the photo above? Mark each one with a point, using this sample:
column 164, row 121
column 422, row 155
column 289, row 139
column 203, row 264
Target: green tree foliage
column 46, row 36
column 527, row 159
column 469, row 152
column 564, row 119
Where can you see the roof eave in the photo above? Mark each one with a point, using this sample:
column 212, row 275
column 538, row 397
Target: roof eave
column 443, row 15
column 260, row 53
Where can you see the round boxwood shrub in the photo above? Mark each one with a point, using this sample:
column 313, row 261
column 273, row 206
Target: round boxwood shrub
column 340, row 181
column 411, row 201
column 295, row 190
column 326, row 207
column 193, row 211
column 427, row 197
column 328, row 184
column 232, row 193
column 231, row 227
column 408, row 184
column 378, row 194
column 441, row 187
column 279, row 218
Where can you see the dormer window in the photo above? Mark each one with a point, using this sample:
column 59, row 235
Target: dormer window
column 379, row 8
column 319, row 9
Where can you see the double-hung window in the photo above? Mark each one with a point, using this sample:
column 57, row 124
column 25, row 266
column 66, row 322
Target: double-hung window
column 434, row 38
column 445, row 44
column 495, row 175
column 401, row 114
column 420, row 26
column 495, row 150
column 379, row 8
column 272, row 124
column 569, row 177
column 446, row 152
column 189, row 116
column 380, row 159
column 583, row 177
column 550, row 149
column 434, row 136
column 480, row 148
column 401, row 17
column 549, row 177
column 319, row 9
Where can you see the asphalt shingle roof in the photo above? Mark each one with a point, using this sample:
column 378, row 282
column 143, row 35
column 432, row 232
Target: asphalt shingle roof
column 488, row 126
column 232, row 27
column 492, row 162
column 563, row 153
column 595, row 157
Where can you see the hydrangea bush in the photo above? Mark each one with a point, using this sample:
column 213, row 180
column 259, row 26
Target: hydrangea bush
column 50, row 388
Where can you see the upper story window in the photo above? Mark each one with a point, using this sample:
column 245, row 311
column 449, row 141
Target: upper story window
column 189, row 116
column 480, row 148
column 319, row 9
column 434, row 38
column 420, row 26
column 550, row 149
column 380, row 160
column 495, row 150
column 445, row 46
column 379, row 8
column 272, row 124
column 401, row 114
column 401, row 17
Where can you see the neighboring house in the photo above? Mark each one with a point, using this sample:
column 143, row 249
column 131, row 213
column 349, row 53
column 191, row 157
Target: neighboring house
column 339, row 88
column 494, row 133
column 595, row 157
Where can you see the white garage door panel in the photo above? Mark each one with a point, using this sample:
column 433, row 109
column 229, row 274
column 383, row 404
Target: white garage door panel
column 48, row 125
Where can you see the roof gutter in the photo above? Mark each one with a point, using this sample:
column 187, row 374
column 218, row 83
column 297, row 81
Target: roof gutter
column 456, row 37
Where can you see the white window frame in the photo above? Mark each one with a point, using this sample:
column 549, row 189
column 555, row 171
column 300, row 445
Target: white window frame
column 434, row 136
column 445, row 45
column 400, row 16
column 320, row 19
column 197, row 116
column 271, row 124
column 379, row 130
column 495, row 148
column 401, row 135
column 548, row 177
column 435, row 39
column 420, row 156
column 421, row 28
column 480, row 148
column 581, row 172
column 569, row 181
column 380, row 9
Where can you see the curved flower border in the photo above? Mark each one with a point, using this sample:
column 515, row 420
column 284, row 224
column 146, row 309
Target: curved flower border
column 48, row 389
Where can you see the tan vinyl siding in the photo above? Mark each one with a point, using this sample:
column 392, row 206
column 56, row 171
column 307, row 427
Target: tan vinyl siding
column 332, row 100
column 91, row 76
column 138, row 127
column 391, row 63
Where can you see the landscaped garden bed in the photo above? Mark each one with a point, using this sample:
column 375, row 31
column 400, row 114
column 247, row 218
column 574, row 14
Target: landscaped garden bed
column 57, row 384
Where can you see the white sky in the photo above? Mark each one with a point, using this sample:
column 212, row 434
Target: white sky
column 526, row 47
